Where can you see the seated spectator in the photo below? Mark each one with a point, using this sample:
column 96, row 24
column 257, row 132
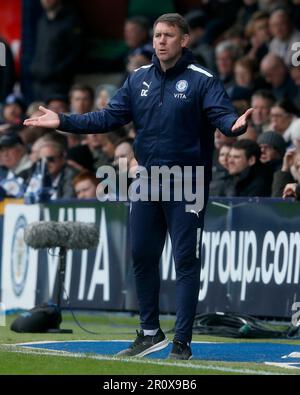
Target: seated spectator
column 245, row 74
column 13, row 110
column 276, row 73
column 124, row 150
column 95, row 143
column 257, row 31
column 57, row 103
column 289, row 173
column 220, row 175
column 103, row 95
column 81, row 99
column 283, row 114
column 15, row 164
column 110, row 140
column 249, row 177
column 136, row 32
column 60, row 173
column 261, row 102
column 284, row 35
column 295, row 75
column 139, row 57
column 226, row 55
column 85, row 185
column 273, row 147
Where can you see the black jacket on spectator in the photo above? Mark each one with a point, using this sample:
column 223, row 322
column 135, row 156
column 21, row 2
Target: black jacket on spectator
column 256, row 180
column 57, row 52
column 280, row 179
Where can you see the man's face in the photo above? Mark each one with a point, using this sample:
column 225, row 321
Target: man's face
column 58, row 106
column 279, row 26
column 168, row 41
column 280, row 120
column 268, row 153
column 55, row 160
column 295, row 74
column 261, row 113
column 225, row 63
column 237, row 161
column 94, row 141
column 85, row 189
column 134, row 35
column 274, row 73
column 11, row 156
column 123, row 151
column 81, row 102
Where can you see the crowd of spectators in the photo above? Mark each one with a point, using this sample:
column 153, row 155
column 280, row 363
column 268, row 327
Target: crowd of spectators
column 253, row 46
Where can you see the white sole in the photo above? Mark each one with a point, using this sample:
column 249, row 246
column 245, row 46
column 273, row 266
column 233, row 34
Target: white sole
column 156, row 347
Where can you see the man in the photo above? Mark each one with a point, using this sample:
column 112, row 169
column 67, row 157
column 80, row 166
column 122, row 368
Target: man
column 284, row 35
column 81, row 99
column 57, row 52
column 14, row 165
column 273, row 147
column 175, row 106
column 261, row 102
column 59, row 174
column 85, row 185
column 276, row 73
column 249, row 176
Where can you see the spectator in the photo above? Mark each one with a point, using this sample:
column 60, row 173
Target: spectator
column 15, row 164
column 226, row 55
column 273, row 147
column 139, row 57
column 261, row 102
column 136, row 32
column 284, row 35
column 283, row 114
column 58, row 103
column 103, row 95
column 61, row 174
column 57, row 50
column 85, row 185
column 33, row 109
column 276, row 74
column 81, row 99
column 220, row 175
column 257, row 31
column 249, row 177
column 110, row 140
column 289, row 173
column 95, row 143
column 123, row 150
column 13, row 110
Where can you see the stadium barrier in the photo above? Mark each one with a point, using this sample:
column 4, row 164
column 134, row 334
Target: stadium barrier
column 250, row 250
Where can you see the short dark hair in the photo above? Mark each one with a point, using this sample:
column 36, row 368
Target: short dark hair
column 174, row 20
column 265, row 94
column 83, row 88
column 250, row 147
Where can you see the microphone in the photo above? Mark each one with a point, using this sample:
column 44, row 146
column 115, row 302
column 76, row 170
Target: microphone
column 67, row 235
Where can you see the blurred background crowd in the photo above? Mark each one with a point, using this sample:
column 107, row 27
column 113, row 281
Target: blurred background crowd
column 253, row 46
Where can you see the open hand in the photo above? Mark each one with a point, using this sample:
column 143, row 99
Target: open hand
column 241, row 122
column 49, row 120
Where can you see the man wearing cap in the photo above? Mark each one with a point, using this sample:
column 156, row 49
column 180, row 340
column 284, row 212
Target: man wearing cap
column 15, row 165
column 273, row 147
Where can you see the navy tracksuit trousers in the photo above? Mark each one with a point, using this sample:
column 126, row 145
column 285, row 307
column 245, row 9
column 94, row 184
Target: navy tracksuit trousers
column 149, row 223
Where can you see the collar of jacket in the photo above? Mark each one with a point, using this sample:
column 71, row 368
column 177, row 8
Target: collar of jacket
column 186, row 58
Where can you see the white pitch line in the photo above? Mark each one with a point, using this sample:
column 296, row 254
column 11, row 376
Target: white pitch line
column 189, row 365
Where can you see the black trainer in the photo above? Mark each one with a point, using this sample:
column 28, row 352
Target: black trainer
column 144, row 345
column 180, row 351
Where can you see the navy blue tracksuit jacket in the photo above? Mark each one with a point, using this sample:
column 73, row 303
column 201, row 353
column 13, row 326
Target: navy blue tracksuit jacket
column 175, row 114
